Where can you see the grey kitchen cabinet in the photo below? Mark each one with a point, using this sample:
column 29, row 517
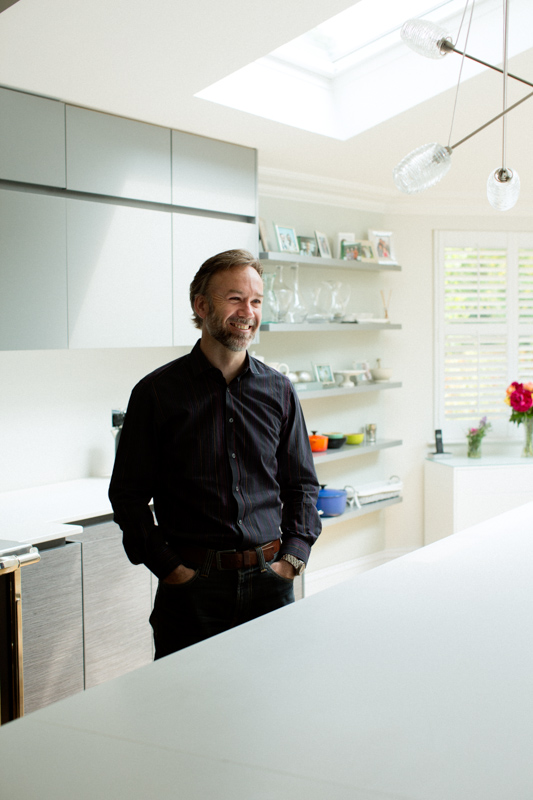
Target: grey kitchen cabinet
column 117, row 602
column 119, row 276
column 195, row 239
column 114, row 156
column 52, row 627
column 33, row 272
column 212, row 175
column 32, row 139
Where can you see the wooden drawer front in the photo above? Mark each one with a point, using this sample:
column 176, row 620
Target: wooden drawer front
column 52, row 627
column 117, row 601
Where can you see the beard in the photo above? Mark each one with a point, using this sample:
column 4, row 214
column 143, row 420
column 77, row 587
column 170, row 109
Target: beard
column 231, row 338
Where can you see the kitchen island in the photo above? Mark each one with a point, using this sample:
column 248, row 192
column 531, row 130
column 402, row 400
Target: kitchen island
column 412, row 680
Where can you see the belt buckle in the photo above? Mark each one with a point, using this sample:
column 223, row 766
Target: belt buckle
column 218, row 560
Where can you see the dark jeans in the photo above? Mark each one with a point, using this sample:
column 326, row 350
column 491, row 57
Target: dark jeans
column 214, row 601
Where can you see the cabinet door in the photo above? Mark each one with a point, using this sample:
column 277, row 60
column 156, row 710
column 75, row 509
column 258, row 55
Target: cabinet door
column 196, row 239
column 32, row 139
column 52, row 627
column 119, row 157
column 119, row 276
column 212, row 175
column 117, row 602
column 33, row 272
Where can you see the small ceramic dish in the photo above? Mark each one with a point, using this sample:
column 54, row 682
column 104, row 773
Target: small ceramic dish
column 355, row 438
column 335, row 440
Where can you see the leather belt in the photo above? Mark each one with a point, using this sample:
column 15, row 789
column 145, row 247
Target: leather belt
column 229, row 559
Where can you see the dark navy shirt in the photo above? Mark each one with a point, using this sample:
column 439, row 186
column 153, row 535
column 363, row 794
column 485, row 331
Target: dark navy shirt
column 227, row 466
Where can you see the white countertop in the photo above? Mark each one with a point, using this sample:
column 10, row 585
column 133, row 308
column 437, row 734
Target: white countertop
column 484, row 461
column 43, row 513
column 410, row 681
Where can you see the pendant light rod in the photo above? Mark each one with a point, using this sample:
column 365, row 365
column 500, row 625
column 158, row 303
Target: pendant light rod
column 505, row 57
column 447, row 46
column 498, row 116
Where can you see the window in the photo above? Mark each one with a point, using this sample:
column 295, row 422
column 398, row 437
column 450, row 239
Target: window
column 484, row 327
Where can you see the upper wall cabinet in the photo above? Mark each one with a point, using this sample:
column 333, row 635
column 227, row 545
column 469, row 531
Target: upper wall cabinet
column 119, row 276
column 213, row 176
column 118, row 157
column 33, row 294
column 195, row 239
column 32, row 139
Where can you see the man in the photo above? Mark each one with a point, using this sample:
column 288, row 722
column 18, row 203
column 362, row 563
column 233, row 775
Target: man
column 218, row 440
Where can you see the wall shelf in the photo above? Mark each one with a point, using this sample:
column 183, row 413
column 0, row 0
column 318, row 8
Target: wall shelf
column 326, row 327
column 360, row 389
column 351, row 450
column 328, row 263
column 369, row 508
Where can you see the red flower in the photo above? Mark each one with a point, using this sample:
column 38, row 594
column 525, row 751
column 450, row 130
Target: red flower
column 521, row 400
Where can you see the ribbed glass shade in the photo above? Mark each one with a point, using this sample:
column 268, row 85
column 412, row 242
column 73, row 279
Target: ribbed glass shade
column 503, row 194
column 424, row 37
column 422, row 168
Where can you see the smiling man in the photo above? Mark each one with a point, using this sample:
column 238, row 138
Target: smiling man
column 217, row 439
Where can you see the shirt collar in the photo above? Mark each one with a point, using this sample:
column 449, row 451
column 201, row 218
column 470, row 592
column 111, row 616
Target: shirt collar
column 201, row 364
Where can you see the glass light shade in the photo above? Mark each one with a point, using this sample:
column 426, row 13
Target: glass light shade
column 422, row 168
column 424, row 37
column 503, row 194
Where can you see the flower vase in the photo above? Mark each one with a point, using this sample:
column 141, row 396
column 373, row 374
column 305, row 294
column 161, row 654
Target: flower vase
column 474, row 448
column 527, row 452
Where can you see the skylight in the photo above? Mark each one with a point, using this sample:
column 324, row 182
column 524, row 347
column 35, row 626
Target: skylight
column 353, row 71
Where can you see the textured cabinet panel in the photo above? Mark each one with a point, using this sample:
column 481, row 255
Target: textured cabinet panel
column 194, row 240
column 32, row 139
column 212, row 175
column 119, row 276
column 33, row 272
column 52, row 627
column 119, row 157
column 117, row 601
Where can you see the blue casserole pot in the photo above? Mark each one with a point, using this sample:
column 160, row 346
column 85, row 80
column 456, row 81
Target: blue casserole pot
column 331, row 502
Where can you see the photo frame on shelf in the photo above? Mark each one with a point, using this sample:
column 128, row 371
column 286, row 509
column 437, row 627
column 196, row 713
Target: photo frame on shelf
column 383, row 246
column 322, row 244
column 308, row 245
column 287, row 239
column 324, row 374
column 263, row 239
column 350, row 251
column 366, row 251
column 341, row 238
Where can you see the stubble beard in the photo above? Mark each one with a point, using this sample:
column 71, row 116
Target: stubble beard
column 231, row 339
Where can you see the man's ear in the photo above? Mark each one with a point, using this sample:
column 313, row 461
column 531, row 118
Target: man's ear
column 201, row 306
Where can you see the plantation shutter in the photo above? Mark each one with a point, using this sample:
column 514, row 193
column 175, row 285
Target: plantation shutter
column 484, row 327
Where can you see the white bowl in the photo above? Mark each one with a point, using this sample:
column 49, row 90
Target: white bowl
column 381, row 374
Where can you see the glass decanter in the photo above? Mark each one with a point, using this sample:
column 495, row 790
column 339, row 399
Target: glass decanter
column 270, row 305
column 297, row 310
column 284, row 294
column 340, row 295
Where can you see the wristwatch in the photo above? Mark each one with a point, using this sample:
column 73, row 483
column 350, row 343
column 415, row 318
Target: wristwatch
column 298, row 565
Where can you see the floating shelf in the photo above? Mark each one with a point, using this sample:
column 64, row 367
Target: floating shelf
column 360, row 512
column 326, row 327
column 328, row 263
column 351, row 450
column 363, row 387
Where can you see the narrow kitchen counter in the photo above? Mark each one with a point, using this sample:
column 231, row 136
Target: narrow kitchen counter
column 412, row 680
column 45, row 513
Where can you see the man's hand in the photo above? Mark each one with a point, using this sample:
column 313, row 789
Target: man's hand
column 284, row 569
column 181, row 574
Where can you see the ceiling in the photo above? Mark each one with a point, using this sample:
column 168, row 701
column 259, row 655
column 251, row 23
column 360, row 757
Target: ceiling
column 146, row 59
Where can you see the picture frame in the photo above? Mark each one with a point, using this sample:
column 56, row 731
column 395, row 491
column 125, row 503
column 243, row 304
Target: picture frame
column 324, row 374
column 343, row 237
column 263, row 239
column 322, row 244
column 383, row 246
column 365, row 249
column 308, row 245
column 350, row 251
column 287, row 239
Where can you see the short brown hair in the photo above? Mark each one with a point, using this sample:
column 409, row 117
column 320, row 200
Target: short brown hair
column 222, row 261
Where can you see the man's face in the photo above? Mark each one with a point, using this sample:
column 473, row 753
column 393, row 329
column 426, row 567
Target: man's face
column 233, row 304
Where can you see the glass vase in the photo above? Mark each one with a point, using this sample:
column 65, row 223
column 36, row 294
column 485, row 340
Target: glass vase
column 270, row 305
column 527, row 452
column 284, row 294
column 474, row 448
column 297, row 311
